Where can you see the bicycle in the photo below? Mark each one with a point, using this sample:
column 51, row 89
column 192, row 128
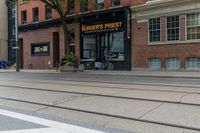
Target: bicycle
column 106, row 65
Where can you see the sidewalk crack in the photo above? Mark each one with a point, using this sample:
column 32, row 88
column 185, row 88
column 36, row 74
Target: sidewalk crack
column 41, row 109
column 181, row 98
column 150, row 110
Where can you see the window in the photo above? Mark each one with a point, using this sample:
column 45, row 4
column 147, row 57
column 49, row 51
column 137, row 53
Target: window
column 154, row 30
column 117, row 45
column 193, row 63
column 71, row 6
column 154, row 63
column 193, row 26
column 115, row 2
column 100, row 4
column 48, row 12
column 172, row 28
column 41, row 49
column 89, row 42
column 173, row 63
column 24, row 17
column 84, row 5
column 35, row 15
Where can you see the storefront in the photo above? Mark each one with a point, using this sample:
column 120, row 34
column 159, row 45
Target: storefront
column 105, row 36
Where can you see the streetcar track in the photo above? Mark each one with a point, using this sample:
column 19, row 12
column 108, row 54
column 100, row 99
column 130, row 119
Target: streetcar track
column 117, row 82
column 115, row 87
column 105, row 114
column 102, row 95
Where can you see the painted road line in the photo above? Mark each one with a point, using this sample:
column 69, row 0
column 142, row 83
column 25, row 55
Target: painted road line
column 53, row 126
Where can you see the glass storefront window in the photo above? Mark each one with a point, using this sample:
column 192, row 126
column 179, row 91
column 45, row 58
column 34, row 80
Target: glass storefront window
column 89, row 47
column 109, row 46
column 117, row 46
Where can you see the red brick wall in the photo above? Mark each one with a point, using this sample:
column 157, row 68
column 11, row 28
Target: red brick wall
column 137, row 2
column 91, row 7
column 32, row 4
column 39, row 36
column 142, row 50
column 182, row 27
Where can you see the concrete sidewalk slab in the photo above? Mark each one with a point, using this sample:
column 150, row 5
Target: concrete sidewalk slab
column 116, row 123
column 152, row 95
column 175, row 114
column 127, row 108
column 20, row 105
column 191, row 98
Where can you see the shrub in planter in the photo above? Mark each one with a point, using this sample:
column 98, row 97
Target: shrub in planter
column 69, row 62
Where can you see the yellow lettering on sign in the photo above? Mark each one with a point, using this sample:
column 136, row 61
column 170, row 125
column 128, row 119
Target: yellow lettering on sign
column 102, row 26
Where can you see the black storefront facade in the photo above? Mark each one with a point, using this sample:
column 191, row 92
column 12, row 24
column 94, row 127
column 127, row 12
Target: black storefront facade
column 105, row 35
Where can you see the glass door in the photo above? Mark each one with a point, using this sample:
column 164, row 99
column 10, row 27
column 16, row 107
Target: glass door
column 102, row 46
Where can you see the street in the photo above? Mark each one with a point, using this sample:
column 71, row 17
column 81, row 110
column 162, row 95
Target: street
column 78, row 102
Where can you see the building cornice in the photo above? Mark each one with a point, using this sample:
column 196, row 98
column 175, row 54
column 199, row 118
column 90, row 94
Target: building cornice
column 164, row 8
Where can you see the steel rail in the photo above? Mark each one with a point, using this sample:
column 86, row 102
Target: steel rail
column 106, row 114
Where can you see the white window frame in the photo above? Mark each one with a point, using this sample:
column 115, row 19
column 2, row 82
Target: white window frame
column 152, row 42
column 166, row 30
column 186, row 28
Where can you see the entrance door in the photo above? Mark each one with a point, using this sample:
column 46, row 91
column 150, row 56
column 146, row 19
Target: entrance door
column 102, row 46
column 21, row 54
column 56, row 54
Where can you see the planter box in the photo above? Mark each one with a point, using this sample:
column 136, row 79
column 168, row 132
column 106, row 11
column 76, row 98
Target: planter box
column 67, row 68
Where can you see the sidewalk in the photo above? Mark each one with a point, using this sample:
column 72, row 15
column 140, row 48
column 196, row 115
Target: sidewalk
column 139, row 73
column 148, row 73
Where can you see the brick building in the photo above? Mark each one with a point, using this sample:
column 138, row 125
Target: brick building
column 166, row 35
column 96, row 32
column 132, row 34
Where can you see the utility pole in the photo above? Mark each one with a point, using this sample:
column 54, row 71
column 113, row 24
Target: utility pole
column 16, row 37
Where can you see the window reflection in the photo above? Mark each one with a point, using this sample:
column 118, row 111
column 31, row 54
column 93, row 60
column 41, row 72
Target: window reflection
column 89, row 47
column 117, row 45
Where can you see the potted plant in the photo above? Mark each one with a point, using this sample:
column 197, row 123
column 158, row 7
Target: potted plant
column 69, row 63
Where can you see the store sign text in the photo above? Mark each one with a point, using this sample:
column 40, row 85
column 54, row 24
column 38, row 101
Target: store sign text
column 101, row 27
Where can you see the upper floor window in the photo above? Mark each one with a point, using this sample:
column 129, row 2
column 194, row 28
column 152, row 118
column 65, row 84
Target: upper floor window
column 48, row 12
column 193, row 26
column 154, row 30
column 23, row 17
column 172, row 28
column 71, row 6
column 35, row 14
column 84, row 5
column 115, row 2
column 100, row 4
